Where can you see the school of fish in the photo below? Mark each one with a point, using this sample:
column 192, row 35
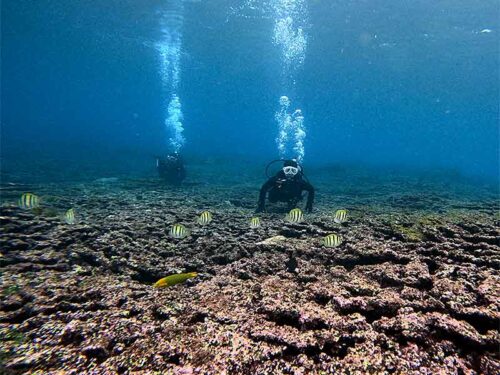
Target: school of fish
column 179, row 231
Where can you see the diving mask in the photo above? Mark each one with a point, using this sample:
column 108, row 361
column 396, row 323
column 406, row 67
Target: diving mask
column 290, row 171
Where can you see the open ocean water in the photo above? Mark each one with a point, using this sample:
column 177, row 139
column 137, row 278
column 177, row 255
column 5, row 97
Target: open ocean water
column 154, row 155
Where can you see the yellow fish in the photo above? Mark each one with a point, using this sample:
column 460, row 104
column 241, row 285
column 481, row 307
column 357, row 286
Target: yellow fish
column 28, row 201
column 178, row 231
column 254, row 222
column 332, row 240
column 174, row 279
column 205, row 218
column 340, row 216
column 295, row 216
column 69, row 216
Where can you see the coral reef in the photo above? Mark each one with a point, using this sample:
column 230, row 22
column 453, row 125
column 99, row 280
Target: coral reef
column 412, row 290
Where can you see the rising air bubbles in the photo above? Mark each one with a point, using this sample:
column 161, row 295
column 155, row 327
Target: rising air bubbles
column 173, row 123
column 290, row 37
column 292, row 42
column 169, row 49
column 291, row 131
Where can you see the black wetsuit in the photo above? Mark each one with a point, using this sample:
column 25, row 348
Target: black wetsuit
column 286, row 190
column 171, row 169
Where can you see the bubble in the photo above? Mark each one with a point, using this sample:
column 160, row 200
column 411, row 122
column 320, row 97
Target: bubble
column 292, row 41
column 290, row 16
column 169, row 51
column 284, row 101
column 169, row 46
column 173, row 122
column 291, row 131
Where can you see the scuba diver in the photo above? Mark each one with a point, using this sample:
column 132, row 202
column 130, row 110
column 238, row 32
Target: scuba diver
column 171, row 168
column 286, row 186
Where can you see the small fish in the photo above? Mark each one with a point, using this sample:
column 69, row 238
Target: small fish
column 340, row 216
column 295, row 216
column 332, row 240
column 28, row 201
column 205, row 218
column 178, row 231
column 174, row 279
column 69, row 216
column 254, row 222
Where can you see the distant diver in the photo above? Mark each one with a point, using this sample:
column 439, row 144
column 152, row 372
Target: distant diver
column 171, row 168
column 286, row 186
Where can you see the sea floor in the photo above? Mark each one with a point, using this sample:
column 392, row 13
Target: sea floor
column 413, row 289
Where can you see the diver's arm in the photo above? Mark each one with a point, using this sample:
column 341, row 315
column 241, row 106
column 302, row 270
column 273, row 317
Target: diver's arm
column 310, row 195
column 263, row 191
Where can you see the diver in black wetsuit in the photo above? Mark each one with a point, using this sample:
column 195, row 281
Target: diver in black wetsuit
column 287, row 186
column 171, row 168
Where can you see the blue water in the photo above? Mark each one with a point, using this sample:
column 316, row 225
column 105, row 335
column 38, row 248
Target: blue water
column 392, row 83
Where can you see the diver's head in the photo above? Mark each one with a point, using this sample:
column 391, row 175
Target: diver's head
column 291, row 168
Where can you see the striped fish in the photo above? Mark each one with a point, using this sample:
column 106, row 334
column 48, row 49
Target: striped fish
column 69, row 216
column 178, row 231
column 340, row 216
column 28, row 201
column 205, row 218
column 254, row 222
column 332, row 240
column 174, row 279
column 295, row 216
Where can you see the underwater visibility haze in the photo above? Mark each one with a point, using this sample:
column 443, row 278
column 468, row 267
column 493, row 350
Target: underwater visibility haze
column 413, row 84
column 250, row 186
